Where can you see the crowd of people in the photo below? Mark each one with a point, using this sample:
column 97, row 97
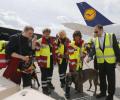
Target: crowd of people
column 24, row 49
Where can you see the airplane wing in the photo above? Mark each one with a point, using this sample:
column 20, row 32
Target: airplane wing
column 86, row 30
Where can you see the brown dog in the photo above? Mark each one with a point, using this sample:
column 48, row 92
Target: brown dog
column 79, row 78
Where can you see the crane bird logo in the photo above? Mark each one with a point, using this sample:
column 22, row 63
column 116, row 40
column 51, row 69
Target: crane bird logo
column 90, row 14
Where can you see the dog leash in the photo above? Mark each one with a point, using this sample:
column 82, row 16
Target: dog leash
column 38, row 72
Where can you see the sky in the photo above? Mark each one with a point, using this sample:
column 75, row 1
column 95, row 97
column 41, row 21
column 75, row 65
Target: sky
column 51, row 13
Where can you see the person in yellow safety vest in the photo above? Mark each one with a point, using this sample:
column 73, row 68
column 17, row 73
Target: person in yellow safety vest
column 63, row 43
column 107, row 53
column 76, row 52
column 3, row 60
column 46, row 57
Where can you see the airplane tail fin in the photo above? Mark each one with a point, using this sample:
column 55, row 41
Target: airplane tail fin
column 91, row 16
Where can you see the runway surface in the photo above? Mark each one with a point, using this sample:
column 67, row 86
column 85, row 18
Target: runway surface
column 58, row 93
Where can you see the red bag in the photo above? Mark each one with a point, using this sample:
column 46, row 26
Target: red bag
column 11, row 71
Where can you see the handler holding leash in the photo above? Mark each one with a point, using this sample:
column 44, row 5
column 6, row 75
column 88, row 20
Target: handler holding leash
column 19, row 50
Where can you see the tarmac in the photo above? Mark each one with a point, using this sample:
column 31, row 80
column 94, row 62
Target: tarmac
column 58, row 93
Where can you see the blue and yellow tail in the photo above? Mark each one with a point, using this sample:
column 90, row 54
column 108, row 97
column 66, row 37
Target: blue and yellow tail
column 92, row 16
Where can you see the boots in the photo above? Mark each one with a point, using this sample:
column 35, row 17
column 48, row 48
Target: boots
column 67, row 91
column 63, row 83
column 50, row 86
column 46, row 91
column 101, row 95
column 109, row 97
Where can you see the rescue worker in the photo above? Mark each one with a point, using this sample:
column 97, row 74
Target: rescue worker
column 63, row 42
column 19, row 50
column 3, row 60
column 107, row 54
column 46, row 57
column 76, row 52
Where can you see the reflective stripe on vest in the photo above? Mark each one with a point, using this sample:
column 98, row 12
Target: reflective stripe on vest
column 74, row 56
column 108, row 55
column 71, row 51
column 3, row 61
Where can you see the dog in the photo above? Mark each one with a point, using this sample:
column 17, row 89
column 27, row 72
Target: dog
column 78, row 78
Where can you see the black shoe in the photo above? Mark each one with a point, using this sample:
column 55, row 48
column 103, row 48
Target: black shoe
column 67, row 96
column 46, row 91
column 62, row 85
column 101, row 95
column 109, row 97
column 51, row 86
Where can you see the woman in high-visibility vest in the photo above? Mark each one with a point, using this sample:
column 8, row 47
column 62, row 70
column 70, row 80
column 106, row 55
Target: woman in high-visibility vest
column 76, row 52
column 63, row 43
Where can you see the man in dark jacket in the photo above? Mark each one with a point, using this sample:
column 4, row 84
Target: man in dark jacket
column 20, row 49
column 107, row 54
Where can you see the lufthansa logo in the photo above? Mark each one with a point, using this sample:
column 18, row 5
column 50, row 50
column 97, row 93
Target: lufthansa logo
column 90, row 14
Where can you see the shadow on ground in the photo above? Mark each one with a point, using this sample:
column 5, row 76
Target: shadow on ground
column 56, row 96
column 74, row 96
column 85, row 96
